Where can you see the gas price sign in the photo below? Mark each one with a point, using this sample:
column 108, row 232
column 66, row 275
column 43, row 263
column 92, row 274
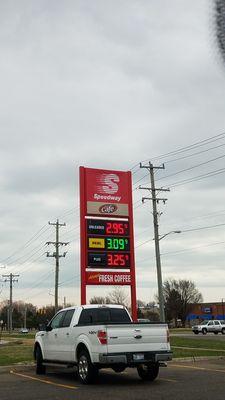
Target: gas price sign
column 108, row 244
column 106, row 231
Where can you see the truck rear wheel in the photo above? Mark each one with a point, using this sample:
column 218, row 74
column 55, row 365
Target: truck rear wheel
column 148, row 372
column 40, row 368
column 87, row 372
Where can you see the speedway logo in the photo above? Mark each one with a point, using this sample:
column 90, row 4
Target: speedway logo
column 107, row 183
column 106, row 187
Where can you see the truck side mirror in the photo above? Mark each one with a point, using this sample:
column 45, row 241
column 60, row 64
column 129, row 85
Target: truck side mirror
column 48, row 328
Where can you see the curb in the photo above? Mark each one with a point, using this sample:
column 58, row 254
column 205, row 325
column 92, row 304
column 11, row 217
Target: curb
column 17, row 367
column 195, row 359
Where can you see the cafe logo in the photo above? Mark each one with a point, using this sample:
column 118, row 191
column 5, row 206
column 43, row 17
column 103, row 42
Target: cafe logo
column 108, row 209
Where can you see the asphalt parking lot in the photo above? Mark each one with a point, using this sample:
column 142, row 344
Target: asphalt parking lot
column 180, row 380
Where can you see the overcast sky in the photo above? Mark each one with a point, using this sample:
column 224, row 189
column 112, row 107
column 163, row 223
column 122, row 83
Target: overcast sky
column 107, row 84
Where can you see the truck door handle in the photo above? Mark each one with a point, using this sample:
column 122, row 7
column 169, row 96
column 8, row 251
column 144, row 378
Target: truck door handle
column 137, row 337
column 67, row 334
column 55, row 334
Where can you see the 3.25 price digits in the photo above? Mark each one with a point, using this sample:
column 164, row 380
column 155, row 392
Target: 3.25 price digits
column 118, row 260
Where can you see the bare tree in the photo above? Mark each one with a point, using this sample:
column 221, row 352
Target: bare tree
column 97, row 300
column 117, row 296
column 178, row 297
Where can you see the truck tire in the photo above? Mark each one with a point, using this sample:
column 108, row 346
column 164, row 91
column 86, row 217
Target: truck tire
column 87, row 372
column 40, row 368
column 223, row 331
column 204, row 331
column 148, row 372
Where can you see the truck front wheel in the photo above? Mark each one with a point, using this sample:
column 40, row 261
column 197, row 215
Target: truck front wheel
column 223, row 331
column 87, row 372
column 40, row 368
column 148, row 372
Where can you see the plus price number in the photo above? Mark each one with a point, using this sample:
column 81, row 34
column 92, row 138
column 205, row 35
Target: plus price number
column 118, row 260
column 109, row 260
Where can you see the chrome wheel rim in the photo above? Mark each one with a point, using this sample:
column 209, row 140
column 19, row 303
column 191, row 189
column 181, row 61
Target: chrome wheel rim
column 83, row 367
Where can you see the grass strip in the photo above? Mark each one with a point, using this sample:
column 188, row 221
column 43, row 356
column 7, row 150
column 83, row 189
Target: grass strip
column 187, row 353
column 15, row 353
column 198, row 343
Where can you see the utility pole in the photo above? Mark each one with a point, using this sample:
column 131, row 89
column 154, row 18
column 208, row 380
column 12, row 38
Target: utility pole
column 25, row 317
column 155, row 200
column 10, row 278
column 57, row 256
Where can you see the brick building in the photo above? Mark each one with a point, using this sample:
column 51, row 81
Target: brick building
column 203, row 311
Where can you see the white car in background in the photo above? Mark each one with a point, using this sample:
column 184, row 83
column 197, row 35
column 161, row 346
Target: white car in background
column 213, row 325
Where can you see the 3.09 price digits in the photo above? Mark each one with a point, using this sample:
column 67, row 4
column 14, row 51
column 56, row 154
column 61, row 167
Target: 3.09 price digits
column 117, row 244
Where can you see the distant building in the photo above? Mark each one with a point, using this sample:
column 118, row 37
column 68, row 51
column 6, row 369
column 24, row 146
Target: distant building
column 203, row 311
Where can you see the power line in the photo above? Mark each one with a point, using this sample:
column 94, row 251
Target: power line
column 195, row 154
column 190, row 168
column 26, row 244
column 186, row 230
column 197, row 178
column 190, row 147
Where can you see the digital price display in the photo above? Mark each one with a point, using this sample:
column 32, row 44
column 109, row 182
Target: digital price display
column 108, row 243
column 103, row 227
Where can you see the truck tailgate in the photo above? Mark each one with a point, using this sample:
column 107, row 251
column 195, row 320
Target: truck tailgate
column 137, row 337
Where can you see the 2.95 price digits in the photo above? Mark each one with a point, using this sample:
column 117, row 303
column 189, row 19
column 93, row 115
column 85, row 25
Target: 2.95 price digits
column 118, row 260
column 117, row 228
column 117, row 244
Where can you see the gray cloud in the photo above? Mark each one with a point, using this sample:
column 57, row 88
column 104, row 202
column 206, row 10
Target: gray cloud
column 106, row 85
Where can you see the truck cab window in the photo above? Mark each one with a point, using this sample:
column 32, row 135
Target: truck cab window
column 119, row 315
column 67, row 319
column 57, row 320
column 86, row 317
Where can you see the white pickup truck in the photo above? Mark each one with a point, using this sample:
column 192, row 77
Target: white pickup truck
column 213, row 325
column 91, row 337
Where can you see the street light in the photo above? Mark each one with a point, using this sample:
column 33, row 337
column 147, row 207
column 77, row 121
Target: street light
column 166, row 234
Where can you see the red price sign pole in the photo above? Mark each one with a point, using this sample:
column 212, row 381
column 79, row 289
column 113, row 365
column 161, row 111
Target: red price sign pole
column 106, row 231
